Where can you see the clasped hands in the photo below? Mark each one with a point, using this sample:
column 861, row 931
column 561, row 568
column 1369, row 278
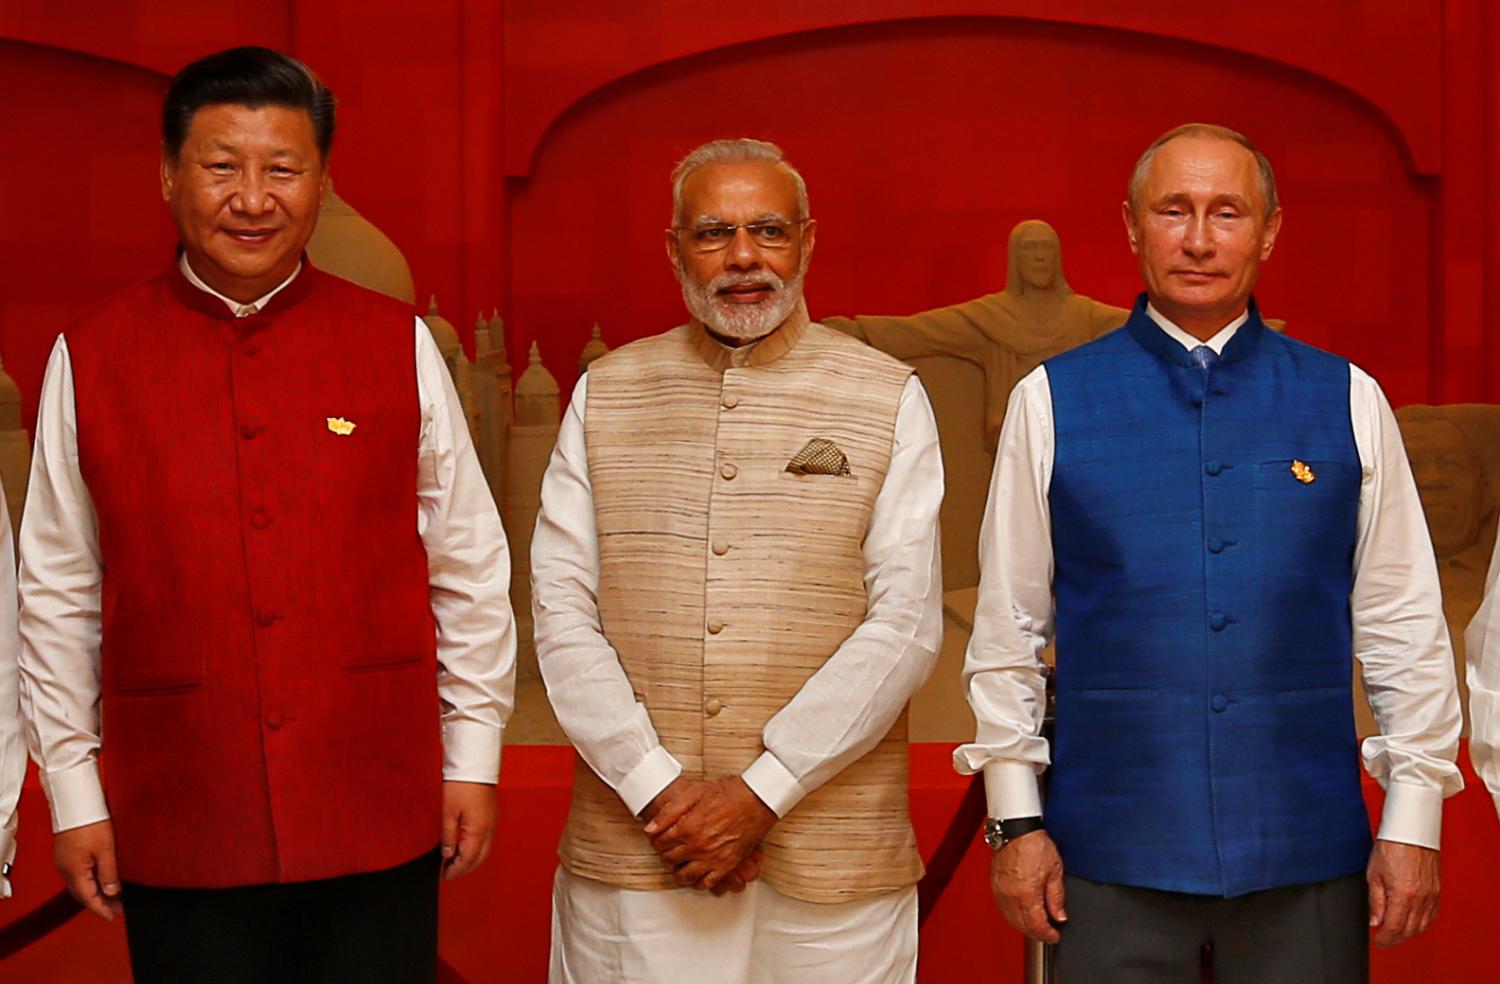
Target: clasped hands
column 709, row 832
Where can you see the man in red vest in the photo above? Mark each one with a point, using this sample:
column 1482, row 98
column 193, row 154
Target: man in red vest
column 260, row 550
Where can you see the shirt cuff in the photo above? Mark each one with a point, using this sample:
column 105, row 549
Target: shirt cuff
column 651, row 775
column 471, row 752
column 1412, row 815
column 76, row 796
column 1010, row 790
column 7, row 855
column 774, row 784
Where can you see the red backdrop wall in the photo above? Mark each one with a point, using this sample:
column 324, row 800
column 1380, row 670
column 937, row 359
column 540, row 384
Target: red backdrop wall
column 518, row 150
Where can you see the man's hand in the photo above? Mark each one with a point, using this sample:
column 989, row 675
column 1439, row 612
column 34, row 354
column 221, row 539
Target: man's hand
column 1404, row 884
column 85, row 857
column 468, row 826
column 1026, row 876
column 708, row 831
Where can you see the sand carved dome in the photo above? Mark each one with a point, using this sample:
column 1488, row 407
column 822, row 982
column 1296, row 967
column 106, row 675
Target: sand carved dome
column 348, row 245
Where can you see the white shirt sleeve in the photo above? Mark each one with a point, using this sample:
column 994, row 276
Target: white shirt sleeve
column 1400, row 632
column 1003, row 675
column 1482, row 643
column 60, row 582
column 588, row 688
column 848, row 705
column 468, row 575
column 12, row 741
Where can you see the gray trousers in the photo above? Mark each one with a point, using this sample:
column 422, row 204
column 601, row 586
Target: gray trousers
column 1302, row 934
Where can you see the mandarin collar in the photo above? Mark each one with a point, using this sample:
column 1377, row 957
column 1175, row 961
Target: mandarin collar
column 760, row 352
column 214, row 304
column 1150, row 335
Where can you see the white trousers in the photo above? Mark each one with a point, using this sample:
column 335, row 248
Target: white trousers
column 607, row 935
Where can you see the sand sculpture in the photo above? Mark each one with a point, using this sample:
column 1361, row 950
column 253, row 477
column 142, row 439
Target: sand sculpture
column 1006, row 334
column 348, row 245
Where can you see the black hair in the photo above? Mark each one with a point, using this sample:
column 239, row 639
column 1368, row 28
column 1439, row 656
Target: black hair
column 251, row 77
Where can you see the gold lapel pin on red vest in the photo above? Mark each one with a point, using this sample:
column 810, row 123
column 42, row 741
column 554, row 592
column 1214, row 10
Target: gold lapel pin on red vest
column 340, row 426
column 1302, row 473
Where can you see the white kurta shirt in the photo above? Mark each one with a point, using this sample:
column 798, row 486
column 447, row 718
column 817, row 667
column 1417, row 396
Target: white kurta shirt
column 12, row 741
column 1482, row 645
column 842, row 711
column 1400, row 634
column 468, row 566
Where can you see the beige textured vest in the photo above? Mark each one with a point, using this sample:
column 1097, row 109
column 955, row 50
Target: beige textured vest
column 727, row 581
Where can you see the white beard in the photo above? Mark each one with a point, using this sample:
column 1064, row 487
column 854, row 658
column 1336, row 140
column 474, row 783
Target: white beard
column 742, row 322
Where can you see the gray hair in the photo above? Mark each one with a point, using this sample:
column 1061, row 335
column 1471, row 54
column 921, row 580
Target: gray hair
column 741, row 150
column 1213, row 131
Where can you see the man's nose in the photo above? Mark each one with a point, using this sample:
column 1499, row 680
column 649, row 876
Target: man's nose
column 252, row 197
column 1197, row 238
column 741, row 253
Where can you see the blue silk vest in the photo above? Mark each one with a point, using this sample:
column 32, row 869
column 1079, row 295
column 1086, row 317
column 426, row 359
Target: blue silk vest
column 1203, row 528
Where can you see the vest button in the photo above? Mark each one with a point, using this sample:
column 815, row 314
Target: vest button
column 728, row 471
column 249, row 431
column 250, row 348
column 1196, row 400
column 260, row 519
column 1219, row 703
column 712, row 707
column 731, row 401
column 1217, row 621
column 721, row 547
column 1215, row 545
column 265, row 619
column 274, row 720
column 715, row 627
column 1213, row 467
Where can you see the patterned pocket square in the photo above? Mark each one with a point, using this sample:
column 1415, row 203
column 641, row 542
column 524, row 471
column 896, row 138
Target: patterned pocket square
column 819, row 457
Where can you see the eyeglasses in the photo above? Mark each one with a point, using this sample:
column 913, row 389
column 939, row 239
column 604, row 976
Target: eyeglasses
column 767, row 234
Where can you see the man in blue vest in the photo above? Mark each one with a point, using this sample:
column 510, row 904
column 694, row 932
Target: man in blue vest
column 1213, row 520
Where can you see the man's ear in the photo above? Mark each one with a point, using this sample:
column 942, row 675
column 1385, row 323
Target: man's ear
column 673, row 254
column 1268, row 238
column 168, row 174
column 1130, row 231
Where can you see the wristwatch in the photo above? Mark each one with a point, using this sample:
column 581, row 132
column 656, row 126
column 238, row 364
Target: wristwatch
column 998, row 833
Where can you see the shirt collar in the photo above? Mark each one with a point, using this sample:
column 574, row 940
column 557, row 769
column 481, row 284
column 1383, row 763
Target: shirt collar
column 757, row 353
column 1217, row 342
column 235, row 307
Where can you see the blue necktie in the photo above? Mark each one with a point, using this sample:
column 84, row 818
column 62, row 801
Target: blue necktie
column 1204, row 357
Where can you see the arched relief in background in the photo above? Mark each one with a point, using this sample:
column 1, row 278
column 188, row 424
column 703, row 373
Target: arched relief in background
column 923, row 144
column 1391, row 63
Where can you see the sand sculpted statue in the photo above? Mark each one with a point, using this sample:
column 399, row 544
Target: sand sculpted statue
column 1455, row 458
column 1006, row 334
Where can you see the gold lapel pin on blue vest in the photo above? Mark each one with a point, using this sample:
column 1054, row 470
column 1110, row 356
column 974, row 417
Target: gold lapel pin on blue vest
column 340, row 426
column 1302, row 473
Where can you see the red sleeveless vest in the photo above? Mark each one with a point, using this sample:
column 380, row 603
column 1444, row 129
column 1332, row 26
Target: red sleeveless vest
column 270, row 709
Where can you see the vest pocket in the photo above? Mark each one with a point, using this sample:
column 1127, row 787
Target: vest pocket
column 389, row 662
column 147, row 671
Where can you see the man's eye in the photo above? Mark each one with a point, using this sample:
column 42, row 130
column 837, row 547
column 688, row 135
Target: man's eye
column 712, row 234
column 768, row 232
column 220, row 167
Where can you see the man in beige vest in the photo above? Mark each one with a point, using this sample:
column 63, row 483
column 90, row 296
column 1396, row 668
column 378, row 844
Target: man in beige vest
column 737, row 589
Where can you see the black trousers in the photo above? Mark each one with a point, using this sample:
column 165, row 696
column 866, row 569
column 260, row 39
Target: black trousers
column 1302, row 934
column 375, row 928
